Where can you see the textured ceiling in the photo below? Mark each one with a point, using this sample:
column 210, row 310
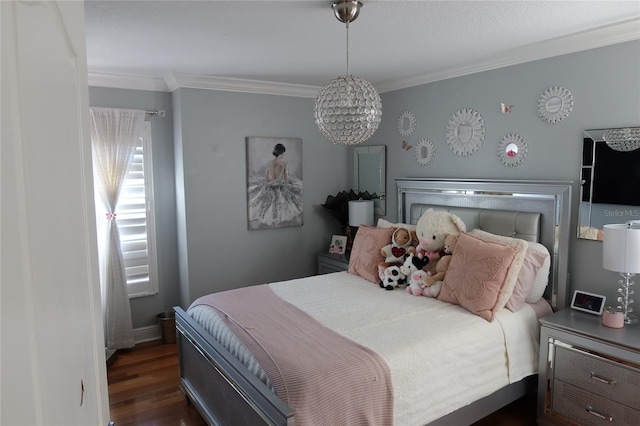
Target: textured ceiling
column 392, row 43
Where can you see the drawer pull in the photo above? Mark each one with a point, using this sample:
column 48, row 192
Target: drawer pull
column 590, row 410
column 597, row 378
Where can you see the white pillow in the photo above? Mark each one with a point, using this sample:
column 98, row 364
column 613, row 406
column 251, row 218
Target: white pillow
column 542, row 276
column 383, row 223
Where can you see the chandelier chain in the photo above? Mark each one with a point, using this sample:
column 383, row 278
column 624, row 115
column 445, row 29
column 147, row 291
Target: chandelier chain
column 347, row 48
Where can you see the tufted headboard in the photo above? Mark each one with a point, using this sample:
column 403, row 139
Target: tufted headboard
column 521, row 225
column 531, row 210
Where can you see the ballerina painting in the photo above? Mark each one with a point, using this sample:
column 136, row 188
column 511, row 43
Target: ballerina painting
column 274, row 182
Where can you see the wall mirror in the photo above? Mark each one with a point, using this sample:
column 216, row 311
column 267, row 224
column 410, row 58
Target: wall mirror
column 370, row 174
column 609, row 178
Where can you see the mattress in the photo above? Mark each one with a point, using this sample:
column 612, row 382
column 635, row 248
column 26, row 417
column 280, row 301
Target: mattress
column 441, row 357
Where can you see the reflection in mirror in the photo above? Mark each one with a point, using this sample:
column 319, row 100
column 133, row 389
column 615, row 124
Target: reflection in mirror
column 511, row 150
column 464, row 132
column 610, row 178
column 553, row 105
column 369, row 173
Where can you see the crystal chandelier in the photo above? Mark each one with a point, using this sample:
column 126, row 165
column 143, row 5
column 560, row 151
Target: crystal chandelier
column 625, row 139
column 347, row 109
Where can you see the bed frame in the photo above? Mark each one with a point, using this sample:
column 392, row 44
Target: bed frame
column 226, row 393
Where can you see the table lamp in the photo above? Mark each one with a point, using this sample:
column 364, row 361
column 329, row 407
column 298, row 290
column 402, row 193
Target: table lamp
column 360, row 213
column 621, row 253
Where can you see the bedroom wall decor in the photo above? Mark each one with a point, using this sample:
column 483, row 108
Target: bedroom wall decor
column 555, row 104
column 274, row 182
column 406, row 123
column 425, row 151
column 512, row 149
column 465, row 132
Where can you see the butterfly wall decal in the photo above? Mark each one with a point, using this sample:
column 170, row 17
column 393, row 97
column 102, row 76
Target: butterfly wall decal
column 406, row 146
column 506, row 109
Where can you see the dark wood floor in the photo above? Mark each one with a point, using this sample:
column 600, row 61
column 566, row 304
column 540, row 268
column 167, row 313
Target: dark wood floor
column 143, row 391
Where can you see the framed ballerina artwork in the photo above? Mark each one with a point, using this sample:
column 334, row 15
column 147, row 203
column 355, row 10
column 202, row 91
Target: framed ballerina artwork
column 274, row 182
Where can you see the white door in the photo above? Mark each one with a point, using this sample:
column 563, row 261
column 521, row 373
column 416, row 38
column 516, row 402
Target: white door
column 52, row 354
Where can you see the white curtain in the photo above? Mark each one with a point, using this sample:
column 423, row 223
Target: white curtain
column 114, row 135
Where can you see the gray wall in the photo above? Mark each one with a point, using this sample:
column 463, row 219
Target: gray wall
column 207, row 144
column 605, row 84
column 211, row 186
column 145, row 309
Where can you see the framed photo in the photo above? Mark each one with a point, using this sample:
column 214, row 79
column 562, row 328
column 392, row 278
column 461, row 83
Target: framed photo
column 338, row 244
column 588, row 302
column 274, row 182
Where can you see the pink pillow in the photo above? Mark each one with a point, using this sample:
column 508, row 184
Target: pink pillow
column 477, row 274
column 365, row 253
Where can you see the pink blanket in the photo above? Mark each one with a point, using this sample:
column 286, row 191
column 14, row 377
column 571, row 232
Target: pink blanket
column 326, row 378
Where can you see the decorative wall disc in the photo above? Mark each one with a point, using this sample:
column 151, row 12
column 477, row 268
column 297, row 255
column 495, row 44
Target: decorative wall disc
column 406, row 123
column 512, row 149
column 555, row 104
column 425, row 151
column 465, row 132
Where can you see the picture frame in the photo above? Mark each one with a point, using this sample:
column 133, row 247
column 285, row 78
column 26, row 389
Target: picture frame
column 338, row 244
column 274, row 182
column 588, row 302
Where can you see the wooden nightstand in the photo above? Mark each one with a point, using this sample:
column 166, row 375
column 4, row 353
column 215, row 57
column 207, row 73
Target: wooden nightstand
column 589, row 373
column 331, row 262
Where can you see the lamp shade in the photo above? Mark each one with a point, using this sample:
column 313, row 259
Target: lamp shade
column 360, row 212
column 621, row 248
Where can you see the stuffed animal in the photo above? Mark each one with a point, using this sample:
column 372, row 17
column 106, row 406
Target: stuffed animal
column 432, row 229
column 402, row 243
column 443, row 263
column 392, row 278
column 413, row 263
column 418, row 285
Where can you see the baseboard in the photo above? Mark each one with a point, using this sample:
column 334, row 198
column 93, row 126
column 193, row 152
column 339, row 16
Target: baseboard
column 147, row 334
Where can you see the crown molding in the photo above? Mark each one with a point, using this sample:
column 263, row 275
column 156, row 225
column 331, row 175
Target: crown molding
column 120, row 81
column 621, row 32
column 591, row 39
column 180, row 80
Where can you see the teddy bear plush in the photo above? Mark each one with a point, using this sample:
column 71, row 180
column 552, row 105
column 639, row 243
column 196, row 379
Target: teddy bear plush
column 392, row 278
column 402, row 243
column 432, row 229
column 418, row 285
column 437, row 276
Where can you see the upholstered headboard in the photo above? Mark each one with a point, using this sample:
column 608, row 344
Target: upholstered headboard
column 530, row 210
column 521, row 225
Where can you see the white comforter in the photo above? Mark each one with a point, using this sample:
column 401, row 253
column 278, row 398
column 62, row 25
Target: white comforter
column 441, row 357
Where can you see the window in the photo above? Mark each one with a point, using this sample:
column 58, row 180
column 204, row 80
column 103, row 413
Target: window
column 135, row 216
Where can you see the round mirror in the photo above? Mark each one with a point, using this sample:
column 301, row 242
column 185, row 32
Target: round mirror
column 424, row 151
column 512, row 149
column 465, row 132
column 555, row 104
column 406, row 123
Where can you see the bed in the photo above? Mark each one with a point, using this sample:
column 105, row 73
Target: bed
column 232, row 389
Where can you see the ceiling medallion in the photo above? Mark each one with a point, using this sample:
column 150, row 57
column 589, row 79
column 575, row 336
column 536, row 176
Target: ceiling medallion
column 347, row 109
column 465, row 132
column 555, row 104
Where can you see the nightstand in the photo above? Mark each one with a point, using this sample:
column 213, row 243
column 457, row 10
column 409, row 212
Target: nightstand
column 331, row 262
column 589, row 374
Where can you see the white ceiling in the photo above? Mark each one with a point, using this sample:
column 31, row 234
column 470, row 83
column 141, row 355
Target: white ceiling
column 393, row 44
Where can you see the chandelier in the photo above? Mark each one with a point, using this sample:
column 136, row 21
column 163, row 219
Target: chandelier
column 347, row 109
column 624, row 140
